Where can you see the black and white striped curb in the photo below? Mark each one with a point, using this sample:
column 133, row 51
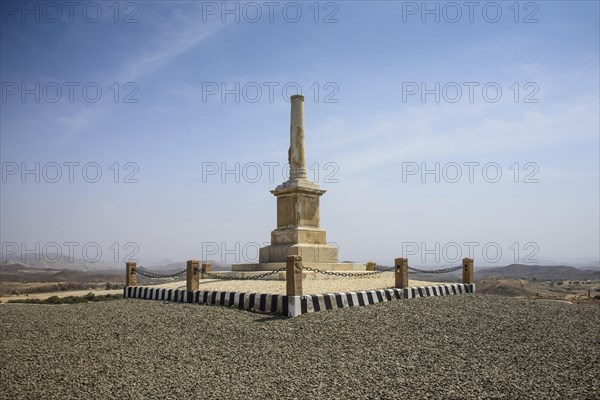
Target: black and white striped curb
column 293, row 306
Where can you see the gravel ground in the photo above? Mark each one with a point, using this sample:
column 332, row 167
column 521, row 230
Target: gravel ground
column 309, row 286
column 452, row 347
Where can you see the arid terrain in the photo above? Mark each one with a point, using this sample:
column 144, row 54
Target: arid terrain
column 455, row 347
column 517, row 338
column 20, row 281
column 572, row 291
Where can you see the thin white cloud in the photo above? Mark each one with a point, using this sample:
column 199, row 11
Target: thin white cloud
column 446, row 131
column 174, row 38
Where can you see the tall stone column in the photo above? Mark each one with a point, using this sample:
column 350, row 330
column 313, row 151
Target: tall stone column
column 296, row 155
column 298, row 230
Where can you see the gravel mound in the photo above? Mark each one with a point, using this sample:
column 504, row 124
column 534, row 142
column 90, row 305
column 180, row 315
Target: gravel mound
column 456, row 347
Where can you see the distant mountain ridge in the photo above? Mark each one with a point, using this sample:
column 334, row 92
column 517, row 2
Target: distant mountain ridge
column 540, row 272
column 76, row 264
column 60, row 262
column 518, row 271
column 19, row 272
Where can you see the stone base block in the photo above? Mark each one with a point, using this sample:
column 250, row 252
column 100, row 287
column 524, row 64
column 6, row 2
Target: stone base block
column 298, row 235
column 312, row 253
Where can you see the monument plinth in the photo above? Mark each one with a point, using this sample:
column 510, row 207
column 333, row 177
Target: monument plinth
column 298, row 231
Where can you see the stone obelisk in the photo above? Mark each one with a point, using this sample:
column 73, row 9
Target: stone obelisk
column 298, row 229
column 296, row 152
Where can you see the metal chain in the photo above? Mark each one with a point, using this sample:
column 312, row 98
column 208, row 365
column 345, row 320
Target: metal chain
column 434, row 271
column 155, row 275
column 347, row 274
column 242, row 278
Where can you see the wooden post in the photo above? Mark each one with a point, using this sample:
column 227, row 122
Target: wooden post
column 193, row 270
column 371, row 266
column 206, row 267
column 401, row 272
column 130, row 274
column 293, row 275
column 467, row 270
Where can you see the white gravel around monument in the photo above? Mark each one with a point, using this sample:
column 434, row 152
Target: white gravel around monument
column 455, row 347
column 309, row 286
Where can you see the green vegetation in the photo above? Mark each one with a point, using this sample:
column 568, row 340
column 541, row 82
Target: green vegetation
column 70, row 299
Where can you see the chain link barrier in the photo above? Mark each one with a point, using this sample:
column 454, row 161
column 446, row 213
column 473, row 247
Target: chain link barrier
column 155, row 275
column 242, row 278
column 348, row 274
column 412, row 270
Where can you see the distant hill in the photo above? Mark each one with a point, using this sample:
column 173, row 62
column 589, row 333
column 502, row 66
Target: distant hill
column 65, row 270
column 60, row 262
column 14, row 267
column 178, row 266
column 516, row 271
column 539, row 272
column 76, row 264
column 19, row 272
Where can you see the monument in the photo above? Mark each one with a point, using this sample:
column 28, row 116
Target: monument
column 298, row 229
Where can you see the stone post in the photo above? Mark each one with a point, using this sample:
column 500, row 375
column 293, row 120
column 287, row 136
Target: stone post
column 193, row 274
column 293, row 276
column 297, row 158
column 371, row 266
column 401, row 272
column 467, row 269
column 206, row 267
column 130, row 274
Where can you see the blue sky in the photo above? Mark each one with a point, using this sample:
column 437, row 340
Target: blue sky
column 363, row 124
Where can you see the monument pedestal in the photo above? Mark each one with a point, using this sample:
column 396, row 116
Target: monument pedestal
column 298, row 231
column 310, row 252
